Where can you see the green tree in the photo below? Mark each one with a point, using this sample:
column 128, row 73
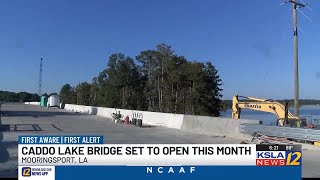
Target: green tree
column 154, row 70
column 35, row 98
column 66, row 94
column 18, row 97
column 210, row 97
column 174, row 84
column 83, row 92
column 122, row 83
column 149, row 70
column 24, row 96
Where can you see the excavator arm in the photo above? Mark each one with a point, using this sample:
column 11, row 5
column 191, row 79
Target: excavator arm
column 264, row 105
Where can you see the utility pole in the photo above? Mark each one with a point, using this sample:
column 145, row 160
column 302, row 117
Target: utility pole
column 296, row 64
column 40, row 78
column 78, row 92
column 295, row 6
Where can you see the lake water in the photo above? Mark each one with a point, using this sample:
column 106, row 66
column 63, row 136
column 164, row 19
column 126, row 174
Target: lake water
column 310, row 112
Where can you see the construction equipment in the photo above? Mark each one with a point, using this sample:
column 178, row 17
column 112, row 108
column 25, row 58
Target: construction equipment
column 137, row 119
column 285, row 118
column 116, row 117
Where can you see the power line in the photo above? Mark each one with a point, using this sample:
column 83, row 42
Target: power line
column 305, row 15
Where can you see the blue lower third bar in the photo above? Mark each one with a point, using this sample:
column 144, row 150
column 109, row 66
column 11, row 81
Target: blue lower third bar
column 72, row 139
column 178, row 172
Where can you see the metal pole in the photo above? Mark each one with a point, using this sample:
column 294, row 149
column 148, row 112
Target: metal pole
column 40, row 78
column 296, row 65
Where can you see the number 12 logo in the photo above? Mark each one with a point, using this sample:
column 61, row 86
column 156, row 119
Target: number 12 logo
column 294, row 158
column 26, row 171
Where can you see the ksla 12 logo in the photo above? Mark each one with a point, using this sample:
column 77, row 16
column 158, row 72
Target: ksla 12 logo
column 293, row 158
column 26, row 171
column 278, row 158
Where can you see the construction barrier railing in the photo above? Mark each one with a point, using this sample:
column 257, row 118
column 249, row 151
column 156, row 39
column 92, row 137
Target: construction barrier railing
column 286, row 132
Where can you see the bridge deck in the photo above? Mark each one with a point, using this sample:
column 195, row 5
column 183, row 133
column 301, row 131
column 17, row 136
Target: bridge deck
column 30, row 119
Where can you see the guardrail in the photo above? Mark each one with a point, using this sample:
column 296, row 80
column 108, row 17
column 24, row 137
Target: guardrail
column 286, row 132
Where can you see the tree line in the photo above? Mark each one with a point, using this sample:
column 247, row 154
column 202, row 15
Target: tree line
column 7, row 96
column 155, row 80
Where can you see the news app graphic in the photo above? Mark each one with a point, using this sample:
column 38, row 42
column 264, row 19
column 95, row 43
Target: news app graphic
column 87, row 157
column 26, row 171
column 279, row 155
column 36, row 172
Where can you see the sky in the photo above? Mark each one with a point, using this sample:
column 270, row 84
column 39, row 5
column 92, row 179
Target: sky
column 250, row 42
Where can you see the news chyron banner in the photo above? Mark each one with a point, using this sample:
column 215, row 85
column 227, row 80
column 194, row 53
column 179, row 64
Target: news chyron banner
column 87, row 157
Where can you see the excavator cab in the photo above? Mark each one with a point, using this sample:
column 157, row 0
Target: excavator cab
column 293, row 122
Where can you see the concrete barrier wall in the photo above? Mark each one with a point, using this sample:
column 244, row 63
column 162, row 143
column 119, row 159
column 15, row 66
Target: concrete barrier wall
column 163, row 119
column 79, row 108
column 32, row 103
column 151, row 118
column 214, row 125
column 155, row 118
column 197, row 124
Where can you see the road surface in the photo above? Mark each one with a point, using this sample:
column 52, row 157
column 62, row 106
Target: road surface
column 31, row 119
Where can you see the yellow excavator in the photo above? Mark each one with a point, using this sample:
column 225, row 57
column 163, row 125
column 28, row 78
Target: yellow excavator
column 285, row 118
